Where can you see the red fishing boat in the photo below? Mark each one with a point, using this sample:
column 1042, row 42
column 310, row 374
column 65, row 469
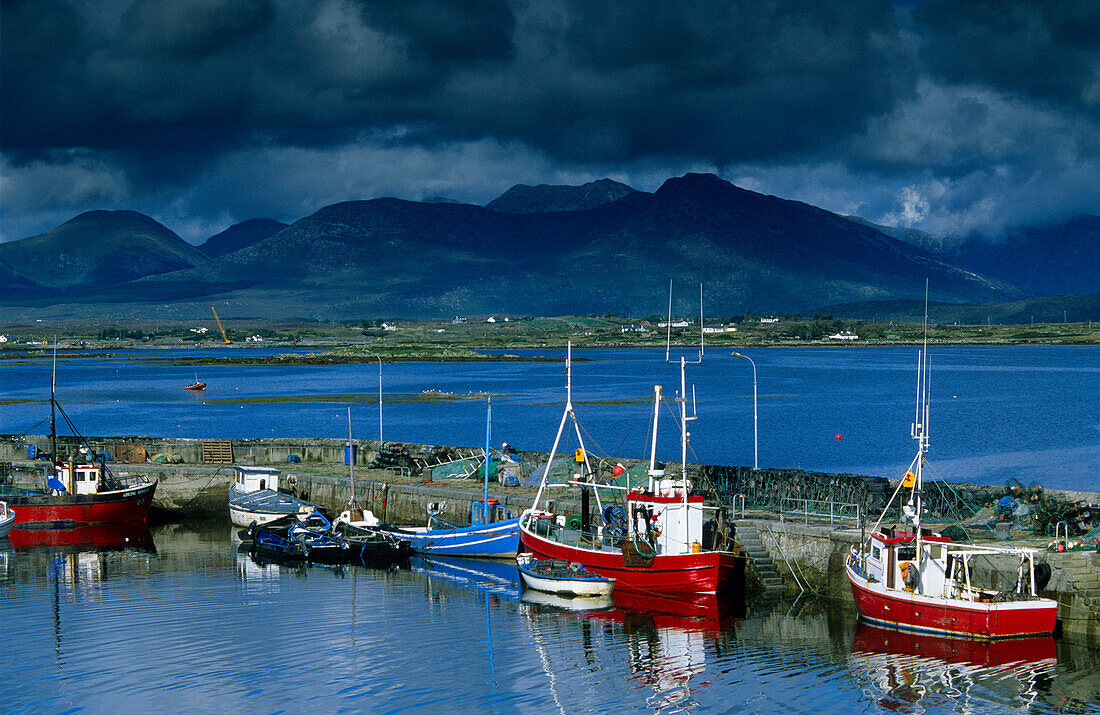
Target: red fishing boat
column 909, row 578
column 84, row 494
column 653, row 540
column 80, row 491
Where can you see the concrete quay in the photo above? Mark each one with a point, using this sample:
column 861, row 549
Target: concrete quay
column 395, row 481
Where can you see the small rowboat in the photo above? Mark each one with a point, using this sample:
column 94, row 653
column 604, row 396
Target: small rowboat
column 562, row 578
column 195, row 386
column 7, row 518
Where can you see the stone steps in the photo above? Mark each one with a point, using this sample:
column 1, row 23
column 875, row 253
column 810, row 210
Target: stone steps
column 763, row 565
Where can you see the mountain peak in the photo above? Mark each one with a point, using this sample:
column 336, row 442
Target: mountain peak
column 241, row 235
column 547, row 198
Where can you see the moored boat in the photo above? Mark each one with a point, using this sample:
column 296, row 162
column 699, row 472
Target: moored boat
column 561, row 578
column 652, row 539
column 491, row 533
column 307, row 536
column 908, row 578
column 7, row 518
column 84, row 493
column 79, row 490
column 254, row 496
column 372, row 547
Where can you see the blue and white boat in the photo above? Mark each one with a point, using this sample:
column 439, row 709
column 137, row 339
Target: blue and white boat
column 491, row 534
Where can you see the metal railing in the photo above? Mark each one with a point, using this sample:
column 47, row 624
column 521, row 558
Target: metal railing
column 739, row 499
column 820, row 509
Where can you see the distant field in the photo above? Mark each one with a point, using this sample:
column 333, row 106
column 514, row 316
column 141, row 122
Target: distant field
column 362, row 341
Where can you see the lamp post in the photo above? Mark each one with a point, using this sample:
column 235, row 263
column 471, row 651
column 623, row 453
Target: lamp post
column 755, row 443
column 379, row 359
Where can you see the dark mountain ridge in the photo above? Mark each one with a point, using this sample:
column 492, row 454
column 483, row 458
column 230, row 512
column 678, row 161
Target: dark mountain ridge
column 545, row 198
column 392, row 257
column 408, row 258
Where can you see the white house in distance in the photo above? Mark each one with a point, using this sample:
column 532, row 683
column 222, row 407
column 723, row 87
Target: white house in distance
column 490, row 319
column 634, row 328
column 675, row 324
column 844, row 335
column 719, row 329
column 199, row 331
column 3, row 338
column 769, row 320
column 388, row 327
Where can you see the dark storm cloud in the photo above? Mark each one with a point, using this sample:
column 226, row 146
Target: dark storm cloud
column 591, row 81
column 175, row 108
column 1048, row 50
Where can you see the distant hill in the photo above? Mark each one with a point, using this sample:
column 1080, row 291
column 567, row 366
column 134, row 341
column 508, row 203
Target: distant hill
column 1048, row 309
column 403, row 258
column 545, row 198
column 240, row 235
column 1042, row 260
column 99, row 248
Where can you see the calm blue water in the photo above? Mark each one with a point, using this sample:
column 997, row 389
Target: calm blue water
column 192, row 625
column 1031, row 413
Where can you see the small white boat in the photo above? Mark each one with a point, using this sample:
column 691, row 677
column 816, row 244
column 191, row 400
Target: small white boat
column 7, row 518
column 254, row 497
column 561, row 577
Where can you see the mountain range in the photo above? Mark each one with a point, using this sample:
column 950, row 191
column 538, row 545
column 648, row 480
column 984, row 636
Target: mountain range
column 536, row 250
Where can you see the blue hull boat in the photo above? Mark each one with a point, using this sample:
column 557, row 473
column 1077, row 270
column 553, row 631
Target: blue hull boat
column 496, row 540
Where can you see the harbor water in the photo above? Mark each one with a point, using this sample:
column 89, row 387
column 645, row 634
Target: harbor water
column 179, row 619
column 998, row 413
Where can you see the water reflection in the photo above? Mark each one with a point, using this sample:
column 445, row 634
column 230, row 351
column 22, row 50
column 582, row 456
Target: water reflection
column 915, row 673
column 667, row 643
column 93, row 537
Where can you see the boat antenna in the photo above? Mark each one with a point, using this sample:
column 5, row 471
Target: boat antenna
column 668, row 325
column 701, row 350
column 668, row 334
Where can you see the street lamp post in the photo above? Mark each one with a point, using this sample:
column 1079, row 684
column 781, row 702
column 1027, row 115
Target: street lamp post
column 379, row 359
column 755, row 443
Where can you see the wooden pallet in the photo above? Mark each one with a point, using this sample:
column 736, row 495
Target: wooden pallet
column 217, row 451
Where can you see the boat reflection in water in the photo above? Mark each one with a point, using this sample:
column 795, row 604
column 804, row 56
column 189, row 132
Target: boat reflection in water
column 92, row 537
column 484, row 576
column 669, row 640
column 900, row 668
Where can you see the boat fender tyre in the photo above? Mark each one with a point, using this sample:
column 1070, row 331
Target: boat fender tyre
column 1043, row 573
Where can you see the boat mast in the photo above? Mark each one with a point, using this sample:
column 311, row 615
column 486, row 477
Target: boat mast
column 351, row 461
column 653, row 440
column 564, row 417
column 684, row 441
column 488, row 424
column 920, row 425
column 53, row 402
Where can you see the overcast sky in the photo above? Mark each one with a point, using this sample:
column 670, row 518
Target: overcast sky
column 951, row 116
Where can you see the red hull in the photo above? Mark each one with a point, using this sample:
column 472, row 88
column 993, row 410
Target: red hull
column 707, row 572
column 955, row 650
column 953, row 617
column 115, row 507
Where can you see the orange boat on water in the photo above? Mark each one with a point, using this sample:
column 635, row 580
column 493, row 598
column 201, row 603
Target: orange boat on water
column 196, row 386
